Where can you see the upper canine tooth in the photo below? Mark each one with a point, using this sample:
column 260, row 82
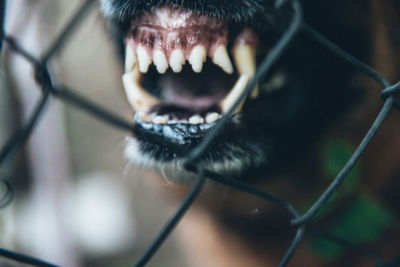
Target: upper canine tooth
column 143, row 58
column 176, row 60
column 140, row 100
column 228, row 102
column 130, row 58
column 160, row 60
column 245, row 60
column 197, row 58
column 221, row 58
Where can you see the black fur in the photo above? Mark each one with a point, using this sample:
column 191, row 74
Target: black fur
column 257, row 13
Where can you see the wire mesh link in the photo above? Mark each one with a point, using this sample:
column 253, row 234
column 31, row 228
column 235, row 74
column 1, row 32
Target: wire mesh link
column 7, row 197
column 299, row 221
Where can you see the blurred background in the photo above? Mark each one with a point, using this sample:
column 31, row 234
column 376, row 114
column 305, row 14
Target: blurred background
column 78, row 202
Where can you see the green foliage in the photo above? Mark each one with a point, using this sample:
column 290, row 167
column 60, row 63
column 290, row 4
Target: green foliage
column 335, row 156
column 326, row 249
column 363, row 220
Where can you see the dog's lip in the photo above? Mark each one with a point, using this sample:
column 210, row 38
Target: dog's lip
column 176, row 132
column 180, row 133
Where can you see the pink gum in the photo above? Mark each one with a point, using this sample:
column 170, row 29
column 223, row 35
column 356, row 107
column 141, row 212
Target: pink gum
column 247, row 36
column 169, row 28
column 154, row 38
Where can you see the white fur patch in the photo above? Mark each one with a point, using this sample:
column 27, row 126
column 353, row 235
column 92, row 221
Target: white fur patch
column 174, row 171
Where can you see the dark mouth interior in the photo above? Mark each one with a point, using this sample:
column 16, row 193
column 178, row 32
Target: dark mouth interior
column 186, row 93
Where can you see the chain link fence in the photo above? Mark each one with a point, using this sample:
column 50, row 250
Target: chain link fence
column 299, row 221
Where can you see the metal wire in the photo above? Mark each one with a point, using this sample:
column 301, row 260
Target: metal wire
column 25, row 259
column 299, row 221
column 167, row 229
column 349, row 165
column 2, row 21
column 7, row 197
column 265, row 66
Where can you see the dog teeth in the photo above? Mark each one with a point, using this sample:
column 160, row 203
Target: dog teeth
column 197, row 58
column 130, row 58
column 139, row 57
column 212, row 117
column 221, row 59
column 183, row 121
column 146, row 117
column 234, row 94
column 160, row 61
column 143, row 58
column 245, row 60
column 161, row 119
column 140, row 99
column 176, row 60
column 172, row 122
column 196, row 119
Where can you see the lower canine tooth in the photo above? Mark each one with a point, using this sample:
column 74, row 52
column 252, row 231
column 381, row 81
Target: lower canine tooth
column 228, row 102
column 143, row 58
column 221, row 58
column 197, row 58
column 160, row 60
column 245, row 61
column 211, row 117
column 196, row 119
column 176, row 60
column 161, row 119
column 140, row 100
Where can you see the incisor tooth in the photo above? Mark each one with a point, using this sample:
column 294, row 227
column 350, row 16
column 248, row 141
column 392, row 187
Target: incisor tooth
column 196, row 119
column 176, row 60
column 197, row 58
column 211, row 117
column 245, row 60
column 221, row 58
column 161, row 119
column 234, row 94
column 143, row 58
column 140, row 100
column 146, row 117
column 160, row 60
column 130, row 58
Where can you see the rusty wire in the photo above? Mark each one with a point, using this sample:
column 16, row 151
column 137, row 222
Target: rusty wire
column 299, row 221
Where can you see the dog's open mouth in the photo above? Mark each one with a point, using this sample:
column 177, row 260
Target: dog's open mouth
column 184, row 71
